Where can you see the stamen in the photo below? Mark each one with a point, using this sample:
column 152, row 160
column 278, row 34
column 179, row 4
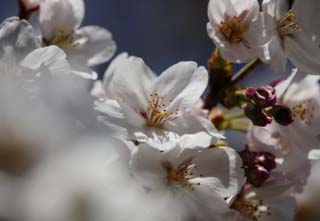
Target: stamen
column 288, row 25
column 63, row 38
column 157, row 113
column 304, row 111
column 182, row 174
column 251, row 207
column 233, row 29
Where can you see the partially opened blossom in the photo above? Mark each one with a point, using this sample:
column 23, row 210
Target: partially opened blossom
column 187, row 182
column 290, row 35
column 235, row 28
column 146, row 105
column 86, row 47
column 270, row 202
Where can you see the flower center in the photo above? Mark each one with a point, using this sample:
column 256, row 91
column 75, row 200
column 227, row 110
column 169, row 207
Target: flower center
column 233, row 29
column 304, row 111
column 157, row 113
column 250, row 207
column 63, row 38
column 288, row 25
column 182, row 174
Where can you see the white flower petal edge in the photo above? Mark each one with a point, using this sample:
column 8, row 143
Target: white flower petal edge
column 154, row 105
column 51, row 59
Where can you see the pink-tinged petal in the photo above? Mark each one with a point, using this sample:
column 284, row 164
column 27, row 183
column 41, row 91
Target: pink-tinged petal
column 96, row 45
column 303, row 52
column 132, row 83
column 64, row 15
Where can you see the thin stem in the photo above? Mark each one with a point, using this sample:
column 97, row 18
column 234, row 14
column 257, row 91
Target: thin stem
column 234, row 116
column 248, row 68
column 239, row 125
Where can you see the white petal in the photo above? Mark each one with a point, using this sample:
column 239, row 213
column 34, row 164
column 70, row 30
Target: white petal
column 275, row 8
column 132, row 83
column 221, row 170
column 184, row 83
column 97, row 90
column 109, row 73
column 303, row 52
column 217, row 9
column 146, row 166
column 18, row 34
column 60, row 15
column 95, row 44
column 46, row 59
column 308, row 16
column 188, row 124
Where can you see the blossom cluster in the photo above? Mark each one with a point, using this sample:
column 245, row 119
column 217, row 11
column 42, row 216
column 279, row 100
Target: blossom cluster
column 145, row 146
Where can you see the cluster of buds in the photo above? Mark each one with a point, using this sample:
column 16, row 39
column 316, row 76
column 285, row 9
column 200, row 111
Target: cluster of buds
column 257, row 166
column 262, row 107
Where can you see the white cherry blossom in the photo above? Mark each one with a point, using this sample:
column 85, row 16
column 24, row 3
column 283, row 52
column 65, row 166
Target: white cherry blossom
column 270, row 202
column 235, row 28
column 146, row 105
column 86, row 47
column 188, row 182
column 290, row 36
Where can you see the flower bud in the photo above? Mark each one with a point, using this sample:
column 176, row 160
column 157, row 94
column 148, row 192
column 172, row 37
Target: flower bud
column 256, row 115
column 267, row 160
column 263, row 96
column 257, row 175
column 248, row 158
column 282, row 115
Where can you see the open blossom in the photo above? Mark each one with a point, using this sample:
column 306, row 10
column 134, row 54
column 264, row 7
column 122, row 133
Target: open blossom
column 88, row 46
column 235, row 28
column 270, row 202
column 146, row 105
column 188, row 182
column 290, row 36
column 22, row 61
